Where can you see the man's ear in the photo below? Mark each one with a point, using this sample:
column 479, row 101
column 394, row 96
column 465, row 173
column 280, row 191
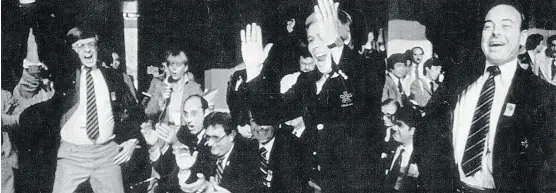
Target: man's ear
column 412, row 130
column 523, row 37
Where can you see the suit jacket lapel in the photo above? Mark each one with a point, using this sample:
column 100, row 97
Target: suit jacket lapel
column 426, row 86
column 275, row 152
column 70, row 106
column 506, row 131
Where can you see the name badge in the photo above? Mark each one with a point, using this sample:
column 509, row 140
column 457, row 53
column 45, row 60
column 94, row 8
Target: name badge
column 113, row 96
column 510, row 109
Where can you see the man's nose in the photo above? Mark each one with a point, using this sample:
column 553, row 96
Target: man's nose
column 496, row 30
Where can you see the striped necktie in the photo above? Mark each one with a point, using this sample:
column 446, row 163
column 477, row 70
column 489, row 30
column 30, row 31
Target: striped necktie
column 92, row 114
column 219, row 169
column 478, row 132
column 263, row 166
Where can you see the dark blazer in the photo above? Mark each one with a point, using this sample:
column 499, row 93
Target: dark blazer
column 346, row 111
column 241, row 171
column 286, row 164
column 44, row 121
column 409, row 184
column 524, row 155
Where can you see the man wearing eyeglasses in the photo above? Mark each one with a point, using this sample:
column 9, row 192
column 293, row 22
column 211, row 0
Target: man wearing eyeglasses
column 236, row 166
column 96, row 118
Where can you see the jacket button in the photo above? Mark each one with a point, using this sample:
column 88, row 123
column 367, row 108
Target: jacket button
column 314, row 153
column 64, row 94
column 320, row 127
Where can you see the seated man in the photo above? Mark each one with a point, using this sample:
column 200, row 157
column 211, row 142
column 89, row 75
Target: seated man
column 400, row 161
column 236, row 168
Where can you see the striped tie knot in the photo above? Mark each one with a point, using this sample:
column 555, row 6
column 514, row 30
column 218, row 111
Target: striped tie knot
column 493, row 70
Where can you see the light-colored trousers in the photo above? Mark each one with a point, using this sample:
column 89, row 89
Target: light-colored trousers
column 77, row 163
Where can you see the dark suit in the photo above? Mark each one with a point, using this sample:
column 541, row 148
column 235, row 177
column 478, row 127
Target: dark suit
column 524, row 154
column 409, row 183
column 285, row 162
column 241, row 171
column 45, row 120
column 340, row 119
column 526, row 59
column 236, row 97
column 167, row 168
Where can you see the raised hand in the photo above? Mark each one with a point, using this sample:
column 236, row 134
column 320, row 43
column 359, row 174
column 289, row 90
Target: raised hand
column 167, row 132
column 327, row 16
column 150, row 135
column 252, row 50
column 184, row 159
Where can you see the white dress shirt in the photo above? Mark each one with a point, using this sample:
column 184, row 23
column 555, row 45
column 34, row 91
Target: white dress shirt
column 268, row 146
column 463, row 117
column 75, row 129
column 200, row 136
column 226, row 157
column 405, row 156
column 405, row 81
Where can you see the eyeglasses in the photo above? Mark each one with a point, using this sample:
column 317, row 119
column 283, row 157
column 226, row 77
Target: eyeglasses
column 176, row 64
column 81, row 46
column 215, row 139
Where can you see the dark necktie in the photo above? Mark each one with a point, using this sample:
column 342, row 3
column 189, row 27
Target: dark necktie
column 219, row 169
column 92, row 114
column 400, row 88
column 477, row 137
column 263, row 165
column 553, row 68
column 432, row 86
column 395, row 172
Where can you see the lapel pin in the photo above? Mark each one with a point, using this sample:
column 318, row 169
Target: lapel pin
column 510, row 109
column 525, row 143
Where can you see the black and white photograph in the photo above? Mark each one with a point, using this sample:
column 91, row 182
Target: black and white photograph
column 278, row 96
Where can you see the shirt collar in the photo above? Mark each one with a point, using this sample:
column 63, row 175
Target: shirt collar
column 394, row 77
column 200, row 135
column 408, row 149
column 268, row 145
column 336, row 54
column 507, row 71
column 227, row 155
column 94, row 68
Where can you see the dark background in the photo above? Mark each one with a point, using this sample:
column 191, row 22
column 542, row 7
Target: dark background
column 209, row 29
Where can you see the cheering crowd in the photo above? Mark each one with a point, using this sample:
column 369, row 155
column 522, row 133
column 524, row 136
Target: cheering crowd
column 344, row 120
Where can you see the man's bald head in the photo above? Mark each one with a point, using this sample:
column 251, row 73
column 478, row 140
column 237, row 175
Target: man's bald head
column 502, row 34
